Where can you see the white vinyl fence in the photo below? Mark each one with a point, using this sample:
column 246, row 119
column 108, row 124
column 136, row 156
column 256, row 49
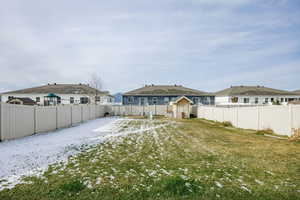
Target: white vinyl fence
column 18, row 121
column 281, row 119
column 139, row 110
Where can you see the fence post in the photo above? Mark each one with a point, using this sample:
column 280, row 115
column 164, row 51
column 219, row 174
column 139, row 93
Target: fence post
column 56, row 110
column 71, row 110
column 0, row 121
column 291, row 119
column 81, row 111
column 34, row 119
column 258, row 118
column 237, row 116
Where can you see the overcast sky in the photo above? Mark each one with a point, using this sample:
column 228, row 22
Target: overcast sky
column 202, row 44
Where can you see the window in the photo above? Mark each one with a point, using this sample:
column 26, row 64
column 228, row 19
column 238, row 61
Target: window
column 130, row 99
column 272, row 99
column 246, row 100
column 166, row 100
column 154, row 100
column 282, row 99
column 256, row 100
column 84, row 100
column 266, row 100
column 38, row 99
column 97, row 98
column 196, row 100
column 234, row 99
column 71, row 100
column 286, row 100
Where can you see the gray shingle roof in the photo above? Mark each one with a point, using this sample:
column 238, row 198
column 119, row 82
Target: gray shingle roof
column 166, row 90
column 297, row 91
column 59, row 89
column 252, row 90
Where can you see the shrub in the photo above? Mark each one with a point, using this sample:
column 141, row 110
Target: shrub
column 73, row 186
column 227, row 124
column 296, row 135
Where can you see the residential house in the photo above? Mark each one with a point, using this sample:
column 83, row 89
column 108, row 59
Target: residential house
column 107, row 99
column 55, row 94
column 254, row 95
column 164, row 94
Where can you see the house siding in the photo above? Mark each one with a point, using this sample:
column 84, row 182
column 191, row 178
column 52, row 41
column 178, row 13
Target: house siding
column 164, row 100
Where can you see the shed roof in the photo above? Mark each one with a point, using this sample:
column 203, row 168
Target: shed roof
column 178, row 99
column 166, row 90
column 252, row 90
column 59, row 89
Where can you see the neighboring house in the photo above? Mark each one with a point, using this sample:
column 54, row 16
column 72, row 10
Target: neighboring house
column 164, row 94
column 21, row 101
column 118, row 98
column 107, row 100
column 253, row 95
column 55, row 94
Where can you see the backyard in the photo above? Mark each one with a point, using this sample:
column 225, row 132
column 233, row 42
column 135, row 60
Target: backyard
column 133, row 158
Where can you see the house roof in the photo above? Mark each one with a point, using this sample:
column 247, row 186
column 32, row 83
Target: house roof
column 252, row 90
column 166, row 90
column 59, row 89
column 297, row 91
column 25, row 100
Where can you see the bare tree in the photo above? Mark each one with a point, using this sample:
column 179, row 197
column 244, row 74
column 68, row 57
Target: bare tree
column 96, row 83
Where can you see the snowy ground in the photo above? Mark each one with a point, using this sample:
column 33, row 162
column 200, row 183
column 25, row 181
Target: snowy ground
column 29, row 155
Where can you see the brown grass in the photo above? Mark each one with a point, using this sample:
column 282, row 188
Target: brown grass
column 296, row 135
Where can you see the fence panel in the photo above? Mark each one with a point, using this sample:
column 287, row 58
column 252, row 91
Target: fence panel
column 161, row 109
column 16, row 121
column 64, row 116
column 281, row 119
column 45, row 119
column 276, row 118
column 85, row 110
column 76, row 114
column 230, row 115
column 248, row 117
column 92, row 112
column 295, row 116
column 219, row 114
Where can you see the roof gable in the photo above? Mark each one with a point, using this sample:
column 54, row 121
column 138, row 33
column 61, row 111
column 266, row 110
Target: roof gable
column 178, row 99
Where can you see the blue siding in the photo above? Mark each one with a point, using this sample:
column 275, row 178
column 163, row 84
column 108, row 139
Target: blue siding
column 163, row 100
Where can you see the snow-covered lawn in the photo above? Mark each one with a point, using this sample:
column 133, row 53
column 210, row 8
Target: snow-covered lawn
column 32, row 154
column 156, row 159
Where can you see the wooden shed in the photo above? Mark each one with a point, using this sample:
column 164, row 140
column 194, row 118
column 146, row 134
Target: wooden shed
column 181, row 107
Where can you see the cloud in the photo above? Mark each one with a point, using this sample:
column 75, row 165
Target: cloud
column 203, row 44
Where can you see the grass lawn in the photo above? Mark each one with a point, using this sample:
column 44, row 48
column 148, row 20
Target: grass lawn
column 190, row 159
